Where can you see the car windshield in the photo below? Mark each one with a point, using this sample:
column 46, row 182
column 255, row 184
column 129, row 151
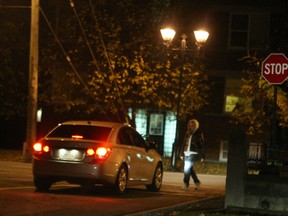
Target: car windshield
column 81, row 132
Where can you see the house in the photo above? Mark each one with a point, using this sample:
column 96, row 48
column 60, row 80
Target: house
column 237, row 29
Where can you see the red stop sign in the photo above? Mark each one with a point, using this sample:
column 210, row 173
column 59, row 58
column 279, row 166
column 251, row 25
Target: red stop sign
column 275, row 68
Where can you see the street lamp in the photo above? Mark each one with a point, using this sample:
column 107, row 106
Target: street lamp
column 168, row 34
column 201, row 36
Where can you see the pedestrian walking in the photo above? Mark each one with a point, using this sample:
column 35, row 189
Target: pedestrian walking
column 192, row 149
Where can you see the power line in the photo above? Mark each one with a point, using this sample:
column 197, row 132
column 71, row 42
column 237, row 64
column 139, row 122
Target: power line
column 72, row 4
column 84, row 35
column 70, row 62
column 109, row 62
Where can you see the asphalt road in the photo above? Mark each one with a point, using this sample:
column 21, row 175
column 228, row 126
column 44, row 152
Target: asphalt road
column 18, row 196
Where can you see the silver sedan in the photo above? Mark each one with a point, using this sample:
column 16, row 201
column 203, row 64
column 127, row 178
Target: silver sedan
column 95, row 152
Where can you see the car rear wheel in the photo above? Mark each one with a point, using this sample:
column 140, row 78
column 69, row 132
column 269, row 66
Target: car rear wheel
column 42, row 184
column 157, row 179
column 121, row 180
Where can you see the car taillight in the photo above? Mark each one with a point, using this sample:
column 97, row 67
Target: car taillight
column 101, row 153
column 90, row 152
column 39, row 148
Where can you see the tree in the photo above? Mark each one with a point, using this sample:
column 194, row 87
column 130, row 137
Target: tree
column 256, row 107
column 115, row 47
column 14, row 55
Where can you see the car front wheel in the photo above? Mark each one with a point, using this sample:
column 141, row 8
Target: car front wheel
column 157, row 179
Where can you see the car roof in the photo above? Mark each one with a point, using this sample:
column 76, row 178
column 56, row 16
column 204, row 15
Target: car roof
column 94, row 123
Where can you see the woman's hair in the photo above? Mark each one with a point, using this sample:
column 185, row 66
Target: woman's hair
column 196, row 125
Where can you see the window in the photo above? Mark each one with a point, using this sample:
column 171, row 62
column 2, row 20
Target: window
column 233, row 97
column 169, row 133
column 239, row 30
column 232, row 94
column 128, row 136
column 141, row 121
column 167, row 129
column 231, row 103
column 156, row 124
column 249, row 31
column 83, row 131
column 138, row 140
column 223, row 153
column 124, row 137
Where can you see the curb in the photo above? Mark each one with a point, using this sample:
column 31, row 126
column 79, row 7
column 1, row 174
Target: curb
column 172, row 210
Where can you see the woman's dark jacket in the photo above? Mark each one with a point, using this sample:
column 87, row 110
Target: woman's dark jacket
column 197, row 143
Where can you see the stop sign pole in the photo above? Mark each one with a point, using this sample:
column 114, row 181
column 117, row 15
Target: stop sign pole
column 275, row 71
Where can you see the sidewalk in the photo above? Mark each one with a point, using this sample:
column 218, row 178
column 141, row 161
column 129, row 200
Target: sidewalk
column 209, row 197
column 206, row 180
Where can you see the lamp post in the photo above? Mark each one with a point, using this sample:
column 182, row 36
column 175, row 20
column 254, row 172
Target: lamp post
column 168, row 34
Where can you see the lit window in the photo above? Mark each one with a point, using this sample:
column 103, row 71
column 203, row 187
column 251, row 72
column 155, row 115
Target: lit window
column 232, row 94
column 223, row 153
column 169, row 133
column 141, row 121
column 231, row 102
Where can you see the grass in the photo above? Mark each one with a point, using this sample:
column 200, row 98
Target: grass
column 11, row 155
column 213, row 168
column 201, row 213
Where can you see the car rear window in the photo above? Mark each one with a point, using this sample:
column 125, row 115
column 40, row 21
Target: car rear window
column 81, row 132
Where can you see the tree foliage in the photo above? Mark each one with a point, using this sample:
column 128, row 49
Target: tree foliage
column 256, row 107
column 116, row 49
column 14, row 55
column 98, row 57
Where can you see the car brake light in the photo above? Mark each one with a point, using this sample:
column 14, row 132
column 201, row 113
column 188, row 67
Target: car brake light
column 77, row 137
column 90, row 152
column 46, row 149
column 101, row 153
column 39, row 148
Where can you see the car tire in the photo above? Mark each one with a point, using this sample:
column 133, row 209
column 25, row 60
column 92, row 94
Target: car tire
column 42, row 184
column 157, row 179
column 121, row 180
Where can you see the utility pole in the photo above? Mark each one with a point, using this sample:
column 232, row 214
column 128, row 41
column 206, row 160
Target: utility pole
column 32, row 83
